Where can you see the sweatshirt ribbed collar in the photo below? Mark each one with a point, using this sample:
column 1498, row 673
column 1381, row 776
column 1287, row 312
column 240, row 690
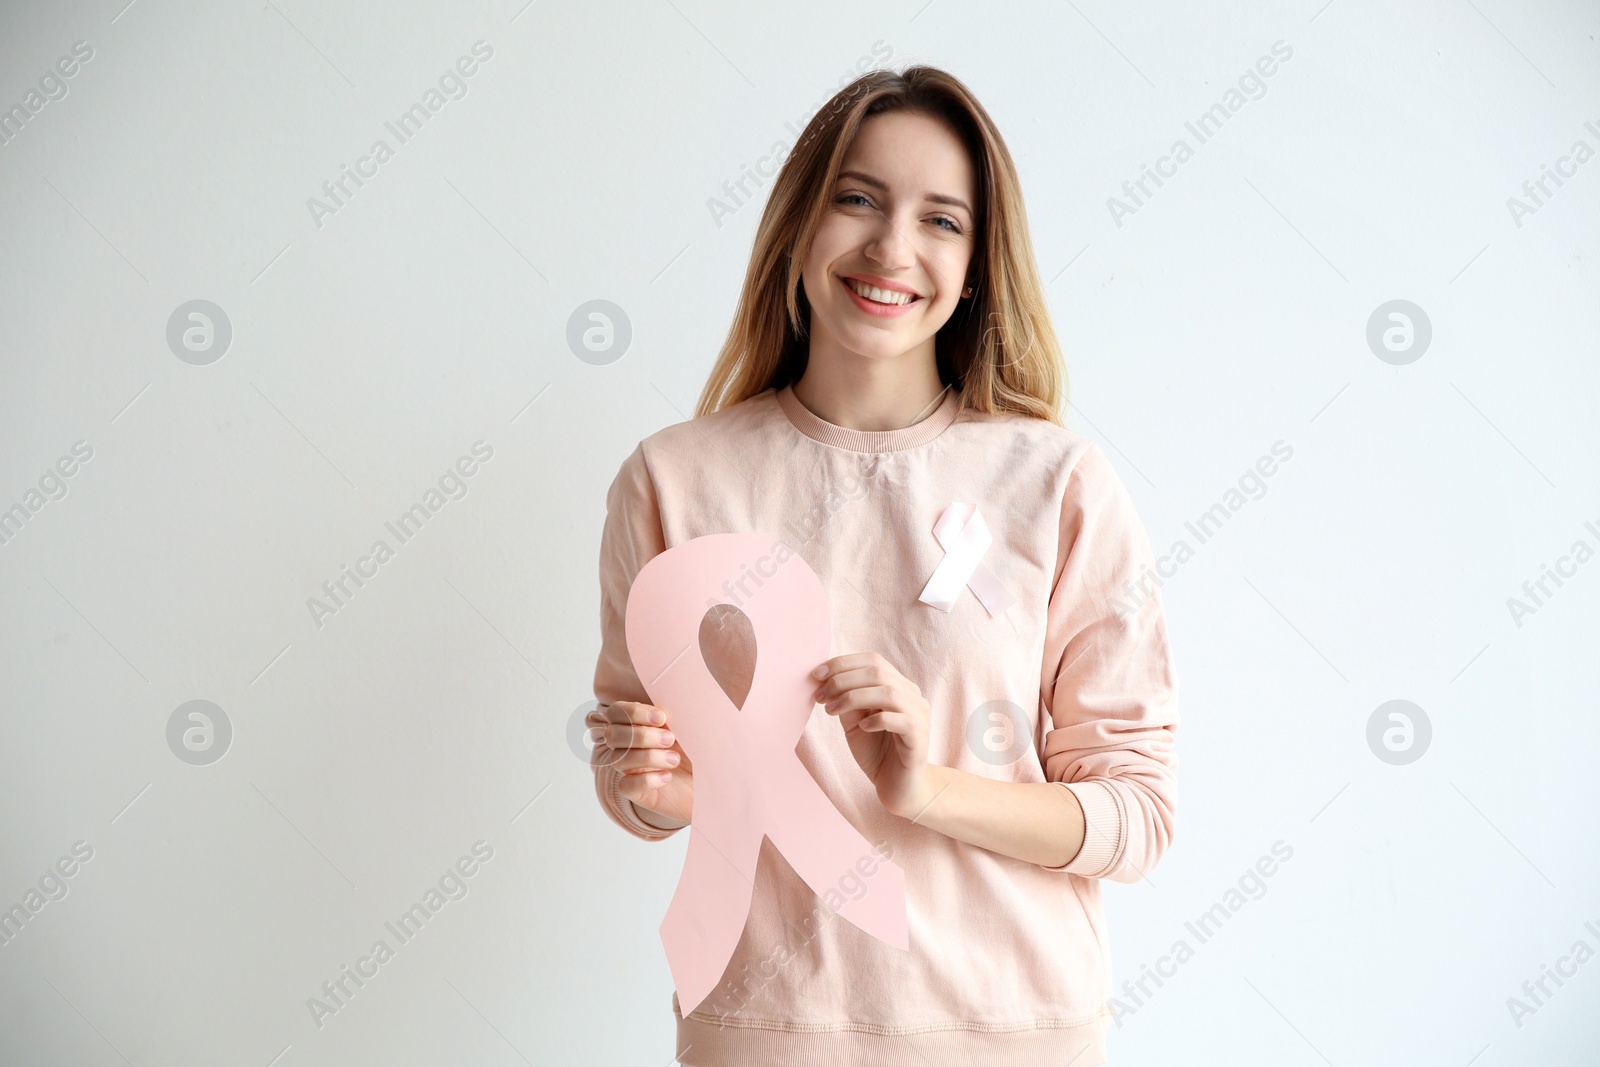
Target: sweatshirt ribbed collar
column 918, row 433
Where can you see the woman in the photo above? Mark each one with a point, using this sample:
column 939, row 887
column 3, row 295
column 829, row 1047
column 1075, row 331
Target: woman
column 1007, row 739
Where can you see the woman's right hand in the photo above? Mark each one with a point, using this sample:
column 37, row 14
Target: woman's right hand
column 656, row 772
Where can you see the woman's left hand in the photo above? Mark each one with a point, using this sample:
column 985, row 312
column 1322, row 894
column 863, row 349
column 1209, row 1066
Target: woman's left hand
column 886, row 723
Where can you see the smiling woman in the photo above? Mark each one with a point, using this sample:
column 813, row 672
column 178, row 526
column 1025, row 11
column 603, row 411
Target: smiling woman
column 916, row 156
column 892, row 312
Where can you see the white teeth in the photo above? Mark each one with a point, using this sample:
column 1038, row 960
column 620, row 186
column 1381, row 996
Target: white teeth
column 879, row 296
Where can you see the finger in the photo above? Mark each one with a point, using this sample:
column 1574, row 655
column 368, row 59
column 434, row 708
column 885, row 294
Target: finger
column 892, row 722
column 856, row 678
column 636, row 785
column 636, row 712
column 852, row 723
column 639, row 737
column 848, row 662
column 619, row 711
column 637, row 760
column 831, row 667
column 844, row 681
column 871, row 696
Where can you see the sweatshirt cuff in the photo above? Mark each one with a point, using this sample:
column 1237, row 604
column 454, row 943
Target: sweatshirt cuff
column 1105, row 830
column 624, row 810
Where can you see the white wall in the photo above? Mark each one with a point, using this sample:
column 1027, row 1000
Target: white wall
column 373, row 346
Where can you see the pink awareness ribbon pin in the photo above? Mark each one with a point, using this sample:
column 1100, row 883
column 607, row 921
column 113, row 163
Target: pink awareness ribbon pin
column 748, row 782
column 965, row 537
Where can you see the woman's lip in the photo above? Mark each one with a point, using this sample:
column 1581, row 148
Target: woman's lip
column 887, row 311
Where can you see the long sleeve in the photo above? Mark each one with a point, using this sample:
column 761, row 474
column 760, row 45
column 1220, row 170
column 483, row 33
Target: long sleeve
column 1109, row 681
column 631, row 537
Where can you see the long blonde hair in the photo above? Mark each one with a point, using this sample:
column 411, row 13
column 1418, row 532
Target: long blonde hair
column 998, row 348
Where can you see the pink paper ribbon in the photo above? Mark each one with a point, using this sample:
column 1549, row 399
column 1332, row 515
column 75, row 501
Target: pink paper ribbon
column 965, row 537
column 748, row 782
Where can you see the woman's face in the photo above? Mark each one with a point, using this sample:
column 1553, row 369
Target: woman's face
column 901, row 217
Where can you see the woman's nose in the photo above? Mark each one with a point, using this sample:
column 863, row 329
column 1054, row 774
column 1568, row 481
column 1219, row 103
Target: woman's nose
column 889, row 245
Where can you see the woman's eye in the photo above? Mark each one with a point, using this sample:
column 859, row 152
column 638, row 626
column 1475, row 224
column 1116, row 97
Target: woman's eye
column 952, row 226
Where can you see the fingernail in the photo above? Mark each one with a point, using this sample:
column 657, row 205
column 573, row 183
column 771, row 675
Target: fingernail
column 656, row 718
column 666, row 738
column 820, row 670
column 672, row 758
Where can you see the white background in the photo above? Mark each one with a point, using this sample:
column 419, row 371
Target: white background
column 369, row 352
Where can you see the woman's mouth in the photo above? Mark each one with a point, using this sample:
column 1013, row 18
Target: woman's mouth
column 886, row 303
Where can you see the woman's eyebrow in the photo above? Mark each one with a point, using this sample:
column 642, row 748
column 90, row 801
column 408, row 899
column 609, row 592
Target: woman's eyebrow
column 936, row 198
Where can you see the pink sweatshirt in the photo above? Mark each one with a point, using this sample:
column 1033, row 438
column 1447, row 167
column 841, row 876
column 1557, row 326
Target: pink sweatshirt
column 1073, row 683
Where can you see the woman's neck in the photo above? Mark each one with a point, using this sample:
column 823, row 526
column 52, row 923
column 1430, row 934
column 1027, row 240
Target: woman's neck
column 878, row 401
